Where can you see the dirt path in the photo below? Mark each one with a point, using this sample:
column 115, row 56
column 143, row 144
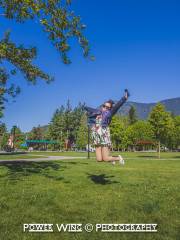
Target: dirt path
column 45, row 158
column 55, row 158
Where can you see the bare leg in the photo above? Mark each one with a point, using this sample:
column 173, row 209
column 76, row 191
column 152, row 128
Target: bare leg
column 99, row 154
column 106, row 157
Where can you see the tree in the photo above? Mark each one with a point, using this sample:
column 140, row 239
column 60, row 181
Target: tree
column 56, row 127
column 18, row 136
column 3, row 128
column 82, row 133
column 68, row 121
column 132, row 115
column 36, row 133
column 65, row 123
column 162, row 124
column 117, row 128
column 177, row 132
column 78, row 112
column 56, row 19
column 3, row 136
column 139, row 131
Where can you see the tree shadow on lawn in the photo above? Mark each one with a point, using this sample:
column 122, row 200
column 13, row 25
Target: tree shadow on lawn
column 12, row 153
column 101, row 179
column 19, row 169
column 154, row 156
column 147, row 156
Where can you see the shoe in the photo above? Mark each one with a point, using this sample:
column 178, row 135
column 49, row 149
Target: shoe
column 121, row 160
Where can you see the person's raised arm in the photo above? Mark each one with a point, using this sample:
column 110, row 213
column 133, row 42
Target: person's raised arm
column 116, row 107
column 90, row 110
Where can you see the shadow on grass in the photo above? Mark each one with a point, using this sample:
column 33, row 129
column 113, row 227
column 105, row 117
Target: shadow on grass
column 12, row 153
column 155, row 156
column 19, row 169
column 101, row 179
column 147, row 156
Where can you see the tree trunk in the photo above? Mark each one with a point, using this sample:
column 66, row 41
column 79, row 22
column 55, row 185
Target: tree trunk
column 159, row 149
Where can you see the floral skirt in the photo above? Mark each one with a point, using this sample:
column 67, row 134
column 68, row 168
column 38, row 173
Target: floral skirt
column 101, row 136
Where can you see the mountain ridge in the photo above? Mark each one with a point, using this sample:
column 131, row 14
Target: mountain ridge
column 143, row 109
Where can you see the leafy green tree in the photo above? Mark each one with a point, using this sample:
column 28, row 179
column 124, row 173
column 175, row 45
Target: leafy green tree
column 60, row 24
column 139, row 131
column 3, row 136
column 132, row 115
column 82, row 133
column 176, row 132
column 162, row 124
column 117, row 128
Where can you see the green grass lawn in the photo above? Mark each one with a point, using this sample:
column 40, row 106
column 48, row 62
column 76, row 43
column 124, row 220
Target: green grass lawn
column 83, row 191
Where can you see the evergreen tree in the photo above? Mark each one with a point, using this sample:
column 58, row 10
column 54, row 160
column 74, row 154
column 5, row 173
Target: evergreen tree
column 132, row 115
column 78, row 112
column 56, row 130
column 3, row 136
column 65, row 123
column 68, row 121
column 82, row 133
column 36, row 133
column 18, row 136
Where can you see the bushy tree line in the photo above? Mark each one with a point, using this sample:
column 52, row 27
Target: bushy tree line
column 160, row 130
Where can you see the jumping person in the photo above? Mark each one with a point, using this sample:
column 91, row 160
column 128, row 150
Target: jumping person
column 99, row 120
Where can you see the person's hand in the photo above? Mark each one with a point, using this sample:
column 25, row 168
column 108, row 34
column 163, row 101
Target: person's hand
column 126, row 94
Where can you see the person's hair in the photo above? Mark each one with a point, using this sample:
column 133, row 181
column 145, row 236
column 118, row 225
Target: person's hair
column 110, row 101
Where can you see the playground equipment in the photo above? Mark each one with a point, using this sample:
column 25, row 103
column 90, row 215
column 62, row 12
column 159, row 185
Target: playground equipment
column 38, row 143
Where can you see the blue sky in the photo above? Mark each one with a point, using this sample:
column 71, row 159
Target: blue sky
column 136, row 45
